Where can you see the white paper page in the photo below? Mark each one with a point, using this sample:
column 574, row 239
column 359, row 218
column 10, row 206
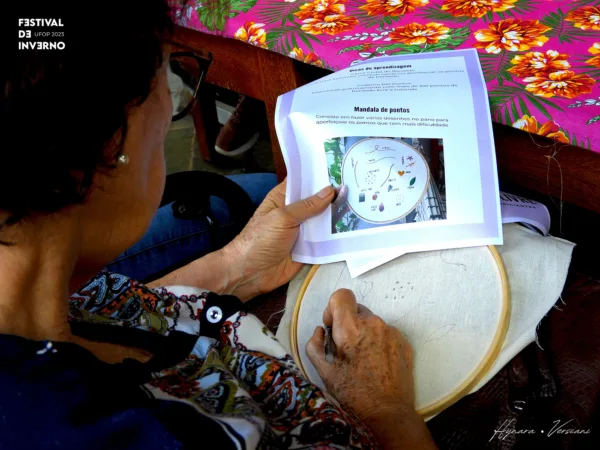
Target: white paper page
column 513, row 208
column 377, row 128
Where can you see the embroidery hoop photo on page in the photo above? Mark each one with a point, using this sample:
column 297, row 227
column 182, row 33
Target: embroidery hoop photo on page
column 439, row 345
column 386, row 179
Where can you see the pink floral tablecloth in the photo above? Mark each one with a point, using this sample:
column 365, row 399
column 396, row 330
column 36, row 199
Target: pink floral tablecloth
column 541, row 59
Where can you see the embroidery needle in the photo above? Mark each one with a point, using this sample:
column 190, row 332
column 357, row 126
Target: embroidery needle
column 329, row 346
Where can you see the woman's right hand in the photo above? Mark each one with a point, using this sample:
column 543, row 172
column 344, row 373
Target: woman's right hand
column 371, row 374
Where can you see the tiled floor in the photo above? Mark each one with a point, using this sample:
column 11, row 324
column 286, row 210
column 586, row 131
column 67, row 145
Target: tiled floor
column 181, row 151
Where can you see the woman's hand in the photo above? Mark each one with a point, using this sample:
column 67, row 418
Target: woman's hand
column 261, row 254
column 259, row 259
column 371, row 374
column 372, row 369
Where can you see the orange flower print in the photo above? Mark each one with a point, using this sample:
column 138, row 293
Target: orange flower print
column 527, row 123
column 476, row 8
column 564, row 83
column 392, row 7
column 252, row 33
column 417, row 34
column 325, row 16
column 594, row 50
column 594, row 61
column 310, row 58
column 321, row 8
column 332, row 24
column 511, row 34
column 586, row 18
column 549, row 129
column 538, row 63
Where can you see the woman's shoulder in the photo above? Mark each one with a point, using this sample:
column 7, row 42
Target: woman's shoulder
column 114, row 299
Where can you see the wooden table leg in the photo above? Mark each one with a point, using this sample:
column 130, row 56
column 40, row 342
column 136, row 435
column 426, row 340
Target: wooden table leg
column 278, row 75
column 206, row 121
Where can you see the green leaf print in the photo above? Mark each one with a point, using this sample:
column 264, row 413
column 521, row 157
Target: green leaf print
column 436, row 14
column 561, row 29
column 285, row 38
column 593, row 120
column 456, row 38
column 220, row 22
column 412, row 181
column 579, row 64
column 402, row 47
column 213, row 14
column 368, row 21
column 523, row 107
column 509, row 103
column 241, row 6
column 580, row 3
column 521, row 8
column 351, row 48
column 273, row 11
column 495, row 66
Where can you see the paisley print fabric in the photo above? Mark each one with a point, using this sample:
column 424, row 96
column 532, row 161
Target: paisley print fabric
column 243, row 380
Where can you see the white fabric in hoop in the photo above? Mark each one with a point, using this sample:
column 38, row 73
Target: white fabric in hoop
column 536, row 266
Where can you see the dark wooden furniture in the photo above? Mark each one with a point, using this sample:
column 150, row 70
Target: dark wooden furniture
column 242, row 68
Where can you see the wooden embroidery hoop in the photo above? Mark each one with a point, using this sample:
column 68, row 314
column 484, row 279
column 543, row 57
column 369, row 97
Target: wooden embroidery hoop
column 476, row 375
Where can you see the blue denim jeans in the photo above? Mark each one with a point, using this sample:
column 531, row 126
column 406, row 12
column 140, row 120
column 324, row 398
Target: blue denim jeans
column 170, row 242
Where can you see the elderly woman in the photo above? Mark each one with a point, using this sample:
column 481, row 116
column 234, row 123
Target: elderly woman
column 90, row 359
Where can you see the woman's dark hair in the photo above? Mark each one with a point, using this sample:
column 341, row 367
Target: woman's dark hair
column 63, row 113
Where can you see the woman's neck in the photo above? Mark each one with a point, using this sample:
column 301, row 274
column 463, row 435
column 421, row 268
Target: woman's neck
column 37, row 276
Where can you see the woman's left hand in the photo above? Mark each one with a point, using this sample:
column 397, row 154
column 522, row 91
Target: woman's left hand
column 262, row 251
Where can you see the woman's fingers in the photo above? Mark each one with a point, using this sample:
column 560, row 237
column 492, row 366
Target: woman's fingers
column 301, row 210
column 341, row 197
column 339, row 206
column 342, row 307
column 315, row 350
column 275, row 199
column 372, row 370
column 311, row 206
column 363, row 311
